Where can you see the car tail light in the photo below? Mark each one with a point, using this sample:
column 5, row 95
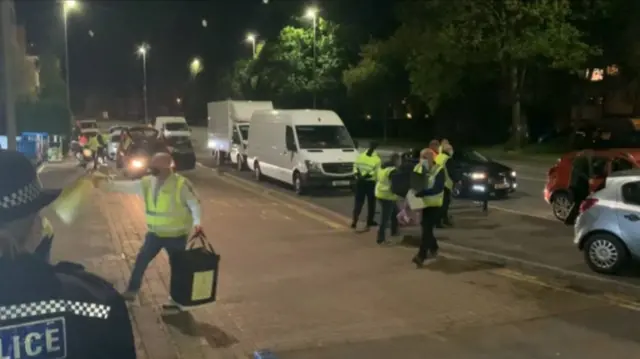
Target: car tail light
column 587, row 204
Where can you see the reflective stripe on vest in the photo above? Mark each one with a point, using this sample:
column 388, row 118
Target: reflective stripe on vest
column 442, row 159
column 167, row 215
column 54, row 306
column 383, row 187
column 367, row 165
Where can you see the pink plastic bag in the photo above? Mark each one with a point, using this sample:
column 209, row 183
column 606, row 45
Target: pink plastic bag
column 406, row 216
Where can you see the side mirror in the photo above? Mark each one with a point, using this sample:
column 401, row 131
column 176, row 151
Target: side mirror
column 291, row 146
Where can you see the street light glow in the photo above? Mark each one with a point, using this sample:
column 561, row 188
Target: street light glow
column 251, row 38
column 195, row 66
column 178, row 100
column 143, row 49
column 69, row 5
column 311, row 13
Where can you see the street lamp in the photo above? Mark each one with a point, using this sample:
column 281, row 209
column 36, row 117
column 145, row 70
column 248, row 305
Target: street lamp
column 143, row 50
column 251, row 38
column 68, row 6
column 196, row 66
column 312, row 13
column 178, row 100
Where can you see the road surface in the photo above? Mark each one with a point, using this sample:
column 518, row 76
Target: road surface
column 304, row 286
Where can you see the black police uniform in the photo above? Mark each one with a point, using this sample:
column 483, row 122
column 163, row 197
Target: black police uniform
column 60, row 311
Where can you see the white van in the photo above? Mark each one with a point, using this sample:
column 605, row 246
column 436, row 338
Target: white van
column 304, row 148
column 170, row 126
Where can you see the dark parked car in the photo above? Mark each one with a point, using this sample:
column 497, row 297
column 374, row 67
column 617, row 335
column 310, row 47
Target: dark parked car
column 134, row 154
column 181, row 150
column 478, row 174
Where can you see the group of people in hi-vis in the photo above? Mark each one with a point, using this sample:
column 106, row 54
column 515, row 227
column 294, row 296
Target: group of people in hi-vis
column 420, row 181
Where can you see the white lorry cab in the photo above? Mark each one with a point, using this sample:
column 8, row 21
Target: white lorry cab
column 171, row 126
column 228, row 129
column 304, row 148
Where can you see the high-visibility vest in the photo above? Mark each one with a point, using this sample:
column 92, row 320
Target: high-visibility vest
column 367, row 165
column 383, row 186
column 167, row 215
column 442, row 159
column 93, row 143
column 434, row 200
column 47, row 229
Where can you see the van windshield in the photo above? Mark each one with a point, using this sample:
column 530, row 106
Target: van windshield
column 176, row 126
column 320, row 137
column 244, row 132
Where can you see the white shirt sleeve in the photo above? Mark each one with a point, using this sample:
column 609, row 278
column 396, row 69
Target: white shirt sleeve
column 190, row 197
column 123, row 186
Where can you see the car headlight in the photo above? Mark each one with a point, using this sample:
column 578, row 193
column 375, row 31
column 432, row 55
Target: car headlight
column 137, row 163
column 87, row 152
column 478, row 175
column 313, row 166
column 513, row 173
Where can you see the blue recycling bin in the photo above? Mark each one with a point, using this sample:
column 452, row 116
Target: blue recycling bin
column 37, row 151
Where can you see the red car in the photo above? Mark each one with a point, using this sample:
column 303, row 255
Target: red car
column 597, row 163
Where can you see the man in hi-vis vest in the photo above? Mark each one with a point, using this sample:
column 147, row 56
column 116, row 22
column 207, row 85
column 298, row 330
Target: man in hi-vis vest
column 172, row 213
column 365, row 171
column 433, row 197
column 451, row 177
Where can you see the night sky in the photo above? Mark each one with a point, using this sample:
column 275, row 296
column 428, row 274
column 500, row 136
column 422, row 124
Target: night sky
column 107, row 64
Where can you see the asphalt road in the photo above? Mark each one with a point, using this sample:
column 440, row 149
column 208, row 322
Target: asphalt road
column 297, row 284
column 518, row 229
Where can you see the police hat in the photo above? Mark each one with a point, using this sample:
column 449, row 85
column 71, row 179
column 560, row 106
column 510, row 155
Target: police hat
column 21, row 193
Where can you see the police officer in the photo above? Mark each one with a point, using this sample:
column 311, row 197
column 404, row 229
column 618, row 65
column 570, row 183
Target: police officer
column 94, row 145
column 432, row 197
column 365, row 169
column 50, row 311
column 387, row 198
column 442, row 159
column 172, row 212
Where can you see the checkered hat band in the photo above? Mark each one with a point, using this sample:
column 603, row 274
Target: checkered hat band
column 55, row 306
column 22, row 196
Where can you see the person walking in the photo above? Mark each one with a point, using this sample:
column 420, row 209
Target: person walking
column 365, row 170
column 432, row 197
column 172, row 212
column 388, row 200
column 50, row 311
column 443, row 159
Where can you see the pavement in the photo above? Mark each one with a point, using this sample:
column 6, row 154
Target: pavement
column 296, row 281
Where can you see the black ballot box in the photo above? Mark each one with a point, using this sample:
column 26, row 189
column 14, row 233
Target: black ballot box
column 194, row 273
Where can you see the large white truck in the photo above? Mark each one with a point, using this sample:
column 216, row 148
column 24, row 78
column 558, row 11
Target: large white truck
column 228, row 129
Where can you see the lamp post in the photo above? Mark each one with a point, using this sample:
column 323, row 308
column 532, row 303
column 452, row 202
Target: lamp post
column 312, row 13
column 251, row 38
column 143, row 50
column 68, row 6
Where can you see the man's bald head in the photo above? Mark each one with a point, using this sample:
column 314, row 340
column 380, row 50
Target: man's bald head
column 161, row 165
column 161, row 160
column 434, row 145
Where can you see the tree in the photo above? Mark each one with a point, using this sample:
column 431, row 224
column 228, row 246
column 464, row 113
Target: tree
column 378, row 79
column 506, row 37
column 53, row 88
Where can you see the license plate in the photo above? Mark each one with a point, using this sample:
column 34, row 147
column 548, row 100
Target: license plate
column 502, row 185
column 340, row 183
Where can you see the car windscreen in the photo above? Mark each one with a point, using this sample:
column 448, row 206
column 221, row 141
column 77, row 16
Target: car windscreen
column 178, row 141
column 471, row 156
column 244, row 132
column 86, row 125
column 143, row 133
column 323, row 137
column 116, row 138
column 176, row 126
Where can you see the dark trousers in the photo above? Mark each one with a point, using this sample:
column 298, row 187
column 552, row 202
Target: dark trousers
column 445, row 206
column 388, row 216
column 428, row 242
column 150, row 248
column 365, row 190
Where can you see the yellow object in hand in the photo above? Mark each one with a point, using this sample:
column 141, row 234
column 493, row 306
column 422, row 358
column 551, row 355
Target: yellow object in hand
column 69, row 204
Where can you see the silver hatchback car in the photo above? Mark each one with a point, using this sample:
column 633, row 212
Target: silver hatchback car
column 608, row 227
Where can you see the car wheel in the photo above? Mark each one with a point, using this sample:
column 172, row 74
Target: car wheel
column 297, row 184
column 256, row 172
column 605, row 253
column 240, row 164
column 561, row 205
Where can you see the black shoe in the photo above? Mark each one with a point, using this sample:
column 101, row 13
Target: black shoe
column 434, row 253
column 419, row 262
column 354, row 225
column 448, row 223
